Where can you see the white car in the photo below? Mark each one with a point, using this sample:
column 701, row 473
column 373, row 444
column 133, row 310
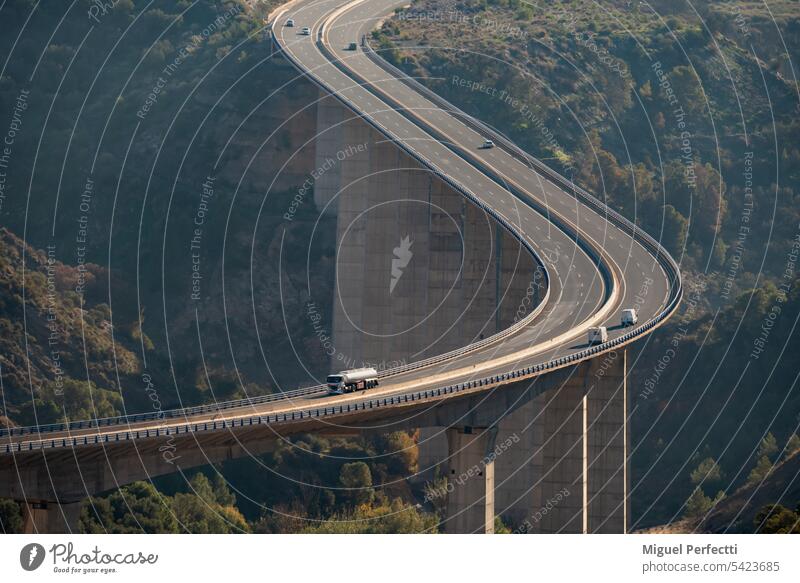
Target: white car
column 629, row 317
column 305, row 31
column 487, row 145
column 290, row 22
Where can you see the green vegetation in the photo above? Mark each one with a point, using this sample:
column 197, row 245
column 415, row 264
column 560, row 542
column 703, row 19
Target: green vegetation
column 699, row 504
column 10, row 517
column 766, row 452
column 684, row 119
column 708, row 471
column 382, row 517
column 115, row 195
column 647, row 107
column 131, row 164
column 775, row 519
column 304, row 501
column 334, row 485
column 573, row 82
column 208, row 507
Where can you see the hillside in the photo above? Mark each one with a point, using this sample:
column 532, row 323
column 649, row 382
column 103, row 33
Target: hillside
column 660, row 114
column 683, row 117
column 125, row 177
column 58, row 343
column 222, row 140
column 745, row 509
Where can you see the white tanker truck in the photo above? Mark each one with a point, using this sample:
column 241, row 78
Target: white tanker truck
column 356, row 379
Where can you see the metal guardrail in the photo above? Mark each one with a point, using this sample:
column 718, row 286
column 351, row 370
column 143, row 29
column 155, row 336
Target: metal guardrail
column 321, row 412
column 666, row 261
column 160, row 415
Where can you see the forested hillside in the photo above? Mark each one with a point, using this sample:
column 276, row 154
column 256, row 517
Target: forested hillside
column 133, row 127
column 684, row 117
column 129, row 125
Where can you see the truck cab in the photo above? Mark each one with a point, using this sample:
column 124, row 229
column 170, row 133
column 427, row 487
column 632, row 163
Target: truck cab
column 347, row 381
column 629, row 317
column 598, row 335
column 335, row 384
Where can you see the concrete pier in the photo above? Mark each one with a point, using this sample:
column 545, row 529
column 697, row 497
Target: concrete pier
column 570, row 471
column 470, row 490
column 563, row 467
column 43, row 517
column 420, row 270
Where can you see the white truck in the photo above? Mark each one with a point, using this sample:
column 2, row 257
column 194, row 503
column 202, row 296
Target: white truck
column 355, row 379
column 629, row 317
column 598, row 335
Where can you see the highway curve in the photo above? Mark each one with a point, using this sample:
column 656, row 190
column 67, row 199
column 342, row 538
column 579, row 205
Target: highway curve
column 603, row 263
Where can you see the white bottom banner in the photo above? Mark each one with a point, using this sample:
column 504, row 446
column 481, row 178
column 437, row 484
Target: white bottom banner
column 388, row 559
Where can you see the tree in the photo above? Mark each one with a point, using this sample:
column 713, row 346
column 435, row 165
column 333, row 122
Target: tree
column 792, row 446
column 205, row 509
column 222, row 493
column 777, row 519
column 768, row 446
column 699, row 197
column 403, row 452
column 135, row 508
column 357, row 478
column 687, row 87
column 699, row 504
column 500, row 526
column 707, row 471
column 10, row 517
column 761, row 470
column 676, row 227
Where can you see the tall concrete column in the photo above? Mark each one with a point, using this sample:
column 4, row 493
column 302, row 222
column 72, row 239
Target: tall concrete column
column 470, row 491
column 569, row 471
column 420, row 270
column 432, row 454
column 518, row 469
column 607, row 442
column 50, row 517
column 563, row 459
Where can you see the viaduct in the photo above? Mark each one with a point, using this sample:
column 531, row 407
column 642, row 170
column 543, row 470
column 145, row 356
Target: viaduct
column 480, row 268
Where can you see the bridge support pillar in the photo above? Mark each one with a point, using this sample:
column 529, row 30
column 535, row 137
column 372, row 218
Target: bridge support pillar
column 608, row 439
column 568, row 472
column 420, row 270
column 560, row 464
column 470, row 490
column 563, row 459
column 49, row 517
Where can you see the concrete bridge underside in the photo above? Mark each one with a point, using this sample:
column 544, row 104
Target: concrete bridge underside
column 547, row 454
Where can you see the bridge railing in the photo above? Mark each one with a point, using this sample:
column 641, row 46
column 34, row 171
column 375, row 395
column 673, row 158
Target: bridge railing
column 321, row 412
column 166, row 414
